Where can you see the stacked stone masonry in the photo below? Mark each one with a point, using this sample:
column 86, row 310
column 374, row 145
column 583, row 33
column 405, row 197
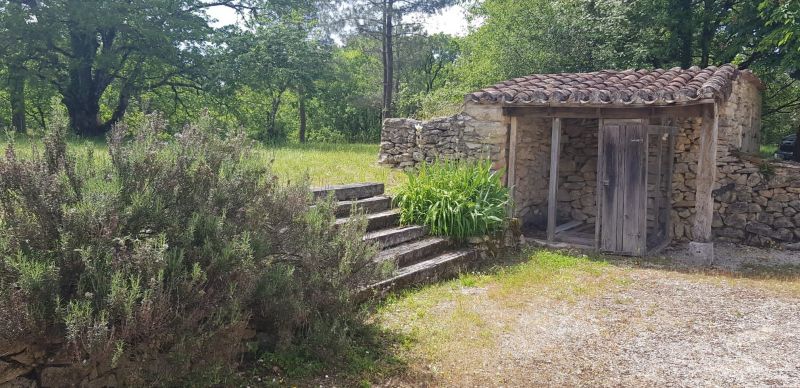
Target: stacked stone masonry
column 405, row 143
column 577, row 171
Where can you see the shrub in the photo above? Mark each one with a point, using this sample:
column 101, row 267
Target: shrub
column 455, row 199
column 157, row 258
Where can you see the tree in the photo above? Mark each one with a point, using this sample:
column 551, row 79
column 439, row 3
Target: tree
column 783, row 43
column 383, row 20
column 273, row 55
column 14, row 31
column 84, row 48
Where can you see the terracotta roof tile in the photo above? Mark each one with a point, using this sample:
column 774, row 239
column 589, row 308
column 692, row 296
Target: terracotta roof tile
column 609, row 87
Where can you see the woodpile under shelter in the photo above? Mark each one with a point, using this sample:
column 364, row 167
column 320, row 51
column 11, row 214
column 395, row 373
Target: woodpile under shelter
column 619, row 161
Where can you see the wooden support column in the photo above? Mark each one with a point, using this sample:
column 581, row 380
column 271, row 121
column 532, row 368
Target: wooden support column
column 702, row 247
column 706, row 176
column 552, row 201
column 599, row 188
column 511, row 171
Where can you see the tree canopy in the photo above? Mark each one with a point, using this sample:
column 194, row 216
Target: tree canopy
column 330, row 71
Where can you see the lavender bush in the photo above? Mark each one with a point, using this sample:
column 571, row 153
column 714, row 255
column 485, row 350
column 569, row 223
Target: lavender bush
column 157, row 258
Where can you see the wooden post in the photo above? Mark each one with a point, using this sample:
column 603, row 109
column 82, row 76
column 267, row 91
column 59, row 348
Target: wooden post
column 552, row 201
column 512, row 156
column 702, row 248
column 599, row 189
column 706, row 176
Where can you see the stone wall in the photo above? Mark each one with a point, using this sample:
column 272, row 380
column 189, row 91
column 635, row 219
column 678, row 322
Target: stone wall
column 532, row 170
column 757, row 202
column 577, row 171
column 477, row 133
column 740, row 116
column 684, row 186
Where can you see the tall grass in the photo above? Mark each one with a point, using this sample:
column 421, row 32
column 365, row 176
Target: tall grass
column 323, row 164
column 455, row 199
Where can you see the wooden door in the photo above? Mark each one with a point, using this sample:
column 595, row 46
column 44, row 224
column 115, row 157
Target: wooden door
column 623, row 185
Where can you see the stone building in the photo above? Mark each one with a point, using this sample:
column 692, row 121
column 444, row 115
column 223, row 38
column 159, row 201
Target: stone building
column 621, row 161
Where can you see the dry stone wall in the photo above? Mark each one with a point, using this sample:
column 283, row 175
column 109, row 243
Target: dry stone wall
column 532, row 171
column 684, row 184
column 477, row 133
column 756, row 202
column 577, row 171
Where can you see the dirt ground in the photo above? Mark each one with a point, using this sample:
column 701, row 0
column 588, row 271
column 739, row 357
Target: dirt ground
column 659, row 323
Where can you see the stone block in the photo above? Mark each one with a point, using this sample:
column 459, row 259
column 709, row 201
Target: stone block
column 731, row 233
column 783, row 222
column 702, row 253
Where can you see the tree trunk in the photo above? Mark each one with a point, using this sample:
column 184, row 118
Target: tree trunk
column 684, row 30
column 82, row 94
column 272, row 132
column 302, row 111
column 87, row 84
column 16, row 86
column 707, row 32
column 388, row 58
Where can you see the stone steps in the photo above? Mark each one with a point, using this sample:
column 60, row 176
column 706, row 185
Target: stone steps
column 419, row 258
column 414, row 252
column 395, row 236
column 441, row 267
column 374, row 204
column 349, row 192
column 378, row 221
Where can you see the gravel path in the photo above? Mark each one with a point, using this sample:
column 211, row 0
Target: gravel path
column 664, row 330
column 665, row 325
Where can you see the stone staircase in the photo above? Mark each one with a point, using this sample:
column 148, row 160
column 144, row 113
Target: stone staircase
column 418, row 257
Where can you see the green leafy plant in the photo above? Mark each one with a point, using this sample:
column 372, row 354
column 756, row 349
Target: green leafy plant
column 455, row 199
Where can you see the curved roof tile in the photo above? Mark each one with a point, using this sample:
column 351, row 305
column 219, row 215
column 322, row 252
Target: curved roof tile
column 609, row 87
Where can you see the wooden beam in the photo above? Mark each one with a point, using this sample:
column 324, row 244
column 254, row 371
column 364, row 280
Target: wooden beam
column 552, row 201
column 706, row 176
column 607, row 113
column 568, row 226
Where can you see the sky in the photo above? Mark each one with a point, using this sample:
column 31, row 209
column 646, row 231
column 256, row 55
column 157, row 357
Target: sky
column 452, row 20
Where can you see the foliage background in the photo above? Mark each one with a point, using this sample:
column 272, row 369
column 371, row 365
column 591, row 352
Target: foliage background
column 314, row 70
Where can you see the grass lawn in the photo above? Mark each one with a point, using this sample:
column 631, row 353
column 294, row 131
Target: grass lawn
column 325, row 164
column 329, row 164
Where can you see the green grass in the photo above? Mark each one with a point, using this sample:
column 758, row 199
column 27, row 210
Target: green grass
column 461, row 319
column 329, row 164
column 768, row 150
column 325, row 164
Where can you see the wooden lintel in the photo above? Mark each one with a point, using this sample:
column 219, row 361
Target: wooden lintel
column 607, row 113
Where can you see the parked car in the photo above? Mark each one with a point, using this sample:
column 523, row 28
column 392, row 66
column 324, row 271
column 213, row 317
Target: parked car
column 786, row 148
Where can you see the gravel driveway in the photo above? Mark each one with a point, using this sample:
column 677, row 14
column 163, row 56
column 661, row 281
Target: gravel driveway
column 657, row 324
column 663, row 330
